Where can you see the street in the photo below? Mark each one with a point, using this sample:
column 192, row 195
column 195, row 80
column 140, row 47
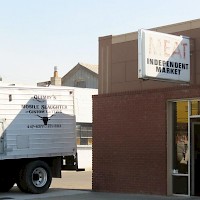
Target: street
column 71, row 183
column 77, row 186
column 73, row 180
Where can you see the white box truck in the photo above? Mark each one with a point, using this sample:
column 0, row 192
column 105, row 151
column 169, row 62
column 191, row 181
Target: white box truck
column 37, row 136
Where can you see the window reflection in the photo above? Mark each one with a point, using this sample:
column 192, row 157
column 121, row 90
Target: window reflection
column 195, row 107
column 181, row 150
column 180, row 147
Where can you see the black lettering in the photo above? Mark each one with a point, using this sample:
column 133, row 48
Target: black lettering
column 168, row 70
column 183, row 66
column 158, row 69
column 43, row 107
column 167, row 63
column 163, row 63
column 171, row 64
column 172, row 71
column 163, row 70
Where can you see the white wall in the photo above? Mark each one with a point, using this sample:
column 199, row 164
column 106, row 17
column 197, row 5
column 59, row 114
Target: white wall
column 85, row 157
column 83, row 112
column 83, row 104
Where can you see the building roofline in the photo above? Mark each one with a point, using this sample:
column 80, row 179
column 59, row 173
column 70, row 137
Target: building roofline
column 77, row 67
column 172, row 28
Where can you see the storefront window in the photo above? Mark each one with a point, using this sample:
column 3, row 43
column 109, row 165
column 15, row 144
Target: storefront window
column 180, row 147
column 195, row 107
column 185, row 124
column 181, row 138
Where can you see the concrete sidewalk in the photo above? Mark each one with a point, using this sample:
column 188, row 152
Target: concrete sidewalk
column 63, row 194
column 89, row 195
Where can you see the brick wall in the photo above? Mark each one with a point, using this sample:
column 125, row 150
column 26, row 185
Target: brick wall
column 129, row 140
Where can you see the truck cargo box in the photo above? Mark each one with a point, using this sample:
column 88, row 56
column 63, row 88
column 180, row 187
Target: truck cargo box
column 36, row 122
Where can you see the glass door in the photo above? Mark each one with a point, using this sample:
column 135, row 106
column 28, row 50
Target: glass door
column 194, row 122
column 195, row 157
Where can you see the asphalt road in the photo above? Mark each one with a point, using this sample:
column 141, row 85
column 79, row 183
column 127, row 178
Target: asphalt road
column 74, row 180
column 71, row 183
column 77, row 186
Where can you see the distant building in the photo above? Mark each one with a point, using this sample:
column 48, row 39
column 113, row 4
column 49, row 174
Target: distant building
column 44, row 84
column 82, row 75
column 55, row 80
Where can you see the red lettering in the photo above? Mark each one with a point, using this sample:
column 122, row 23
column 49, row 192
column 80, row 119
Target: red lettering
column 166, row 48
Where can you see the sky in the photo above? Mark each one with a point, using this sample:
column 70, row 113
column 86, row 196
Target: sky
column 36, row 35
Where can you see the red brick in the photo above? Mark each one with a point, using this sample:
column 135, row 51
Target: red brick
column 129, row 139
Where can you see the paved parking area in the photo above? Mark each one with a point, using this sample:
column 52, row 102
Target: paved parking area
column 64, row 194
column 77, row 186
column 74, row 180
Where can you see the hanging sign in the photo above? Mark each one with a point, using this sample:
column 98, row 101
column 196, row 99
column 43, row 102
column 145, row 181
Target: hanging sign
column 163, row 56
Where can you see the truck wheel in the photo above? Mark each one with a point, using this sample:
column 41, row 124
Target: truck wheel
column 36, row 177
column 6, row 183
column 22, row 187
column 21, row 181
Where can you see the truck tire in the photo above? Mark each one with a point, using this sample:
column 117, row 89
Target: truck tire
column 21, row 181
column 35, row 177
column 6, row 183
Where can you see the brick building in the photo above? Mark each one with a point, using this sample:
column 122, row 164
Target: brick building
column 146, row 133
